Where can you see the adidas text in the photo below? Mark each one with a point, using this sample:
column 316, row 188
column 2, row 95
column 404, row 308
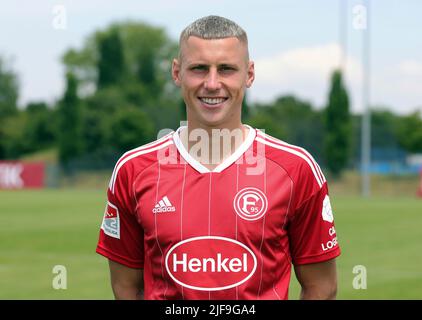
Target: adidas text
column 164, row 209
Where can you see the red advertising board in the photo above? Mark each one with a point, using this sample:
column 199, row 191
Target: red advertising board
column 420, row 184
column 21, row 175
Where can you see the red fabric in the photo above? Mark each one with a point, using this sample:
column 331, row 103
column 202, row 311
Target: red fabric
column 225, row 235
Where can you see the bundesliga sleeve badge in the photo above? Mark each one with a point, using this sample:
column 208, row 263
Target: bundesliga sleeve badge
column 111, row 222
column 327, row 212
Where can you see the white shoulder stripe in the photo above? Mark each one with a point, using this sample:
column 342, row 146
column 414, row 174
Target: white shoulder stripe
column 143, row 147
column 297, row 153
column 316, row 166
column 136, row 154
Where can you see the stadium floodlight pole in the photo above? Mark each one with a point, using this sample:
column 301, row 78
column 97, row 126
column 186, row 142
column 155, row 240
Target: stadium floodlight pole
column 343, row 6
column 366, row 118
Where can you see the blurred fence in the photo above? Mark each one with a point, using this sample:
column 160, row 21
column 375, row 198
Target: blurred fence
column 391, row 161
column 393, row 170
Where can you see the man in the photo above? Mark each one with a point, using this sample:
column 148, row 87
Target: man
column 217, row 209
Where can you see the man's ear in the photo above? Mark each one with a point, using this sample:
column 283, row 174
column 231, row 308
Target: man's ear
column 251, row 74
column 175, row 72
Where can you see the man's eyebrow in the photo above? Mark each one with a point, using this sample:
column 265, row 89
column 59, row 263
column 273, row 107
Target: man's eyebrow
column 224, row 64
column 206, row 65
column 196, row 63
column 230, row 65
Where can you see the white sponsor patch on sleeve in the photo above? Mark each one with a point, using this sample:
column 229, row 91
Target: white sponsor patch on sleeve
column 111, row 221
column 327, row 212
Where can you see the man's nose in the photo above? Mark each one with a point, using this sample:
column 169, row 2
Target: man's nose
column 212, row 82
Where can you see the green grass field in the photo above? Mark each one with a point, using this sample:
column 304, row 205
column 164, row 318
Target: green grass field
column 41, row 229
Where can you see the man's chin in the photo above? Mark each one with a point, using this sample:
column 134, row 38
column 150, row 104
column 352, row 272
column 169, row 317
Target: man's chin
column 209, row 118
column 212, row 122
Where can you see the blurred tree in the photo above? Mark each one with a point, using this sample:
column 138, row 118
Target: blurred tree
column 140, row 77
column 70, row 141
column 384, row 139
column 292, row 120
column 383, row 128
column 182, row 107
column 132, row 52
column 356, row 139
column 264, row 121
column 131, row 128
column 409, row 132
column 245, row 108
column 13, row 139
column 9, row 91
column 41, row 130
column 146, row 68
column 111, row 64
column 107, row 100
column 83, row 64
column 149, row 52
column 337, row 139
column 301, row 123
column 95, row 130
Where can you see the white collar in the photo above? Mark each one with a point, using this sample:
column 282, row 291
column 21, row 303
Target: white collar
column 226, row 163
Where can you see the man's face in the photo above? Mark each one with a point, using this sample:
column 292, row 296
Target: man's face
column 213, row 75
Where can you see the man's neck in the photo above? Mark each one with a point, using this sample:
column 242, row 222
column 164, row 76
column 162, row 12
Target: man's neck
column 212, row 145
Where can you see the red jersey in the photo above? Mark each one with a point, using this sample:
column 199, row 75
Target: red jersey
column 229, row 233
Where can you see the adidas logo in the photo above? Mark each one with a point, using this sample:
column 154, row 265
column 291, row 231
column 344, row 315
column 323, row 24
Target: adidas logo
column 164, row 205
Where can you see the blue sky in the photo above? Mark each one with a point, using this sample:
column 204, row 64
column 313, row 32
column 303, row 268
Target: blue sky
column 295, row 44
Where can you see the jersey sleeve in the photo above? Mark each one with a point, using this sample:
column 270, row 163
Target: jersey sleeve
column 121, row 235
column 312, row 234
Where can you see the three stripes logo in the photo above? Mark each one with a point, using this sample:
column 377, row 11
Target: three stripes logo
column 164, row 205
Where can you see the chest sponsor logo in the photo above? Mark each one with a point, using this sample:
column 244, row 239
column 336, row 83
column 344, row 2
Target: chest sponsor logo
column 250, row 204
column 210, row 263
column 111, row 221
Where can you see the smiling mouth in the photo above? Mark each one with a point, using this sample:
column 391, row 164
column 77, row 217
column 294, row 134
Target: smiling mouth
column 212, row 101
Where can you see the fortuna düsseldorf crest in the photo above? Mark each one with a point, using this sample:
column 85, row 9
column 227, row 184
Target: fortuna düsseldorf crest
column 250, row 204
